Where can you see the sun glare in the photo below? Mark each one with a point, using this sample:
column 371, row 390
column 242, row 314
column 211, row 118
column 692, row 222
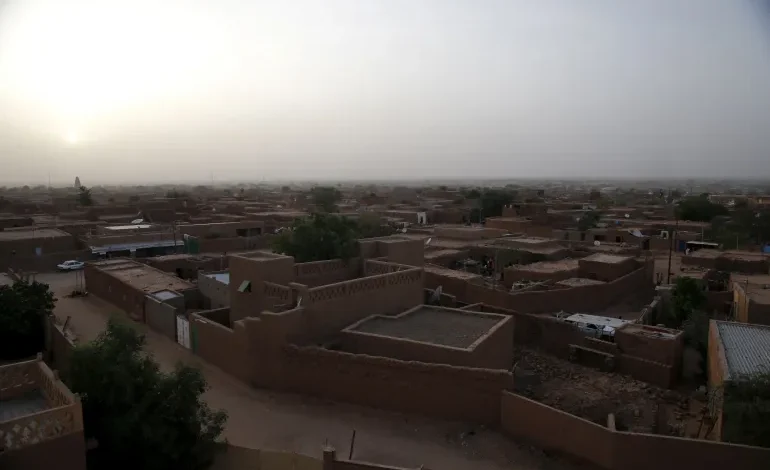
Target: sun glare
column 71, row 138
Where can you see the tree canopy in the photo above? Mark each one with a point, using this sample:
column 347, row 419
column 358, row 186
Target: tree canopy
column 319, row 237
column 746, row 410
column 699, row 209
column 24, row 308
column 84, row 197
column 140, row 416
column 325, row 198
column 588, row 221
column 686, row 297
column 492, row 201
column 324, row 236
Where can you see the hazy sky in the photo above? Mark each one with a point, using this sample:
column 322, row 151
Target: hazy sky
column 163, row 90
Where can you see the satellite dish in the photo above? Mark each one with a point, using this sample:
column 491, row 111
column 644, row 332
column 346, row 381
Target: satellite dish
column 403, row 230
column 597, row 243
column 427, row 242
column 577, row 219
column 628, row 216
column 137, row 221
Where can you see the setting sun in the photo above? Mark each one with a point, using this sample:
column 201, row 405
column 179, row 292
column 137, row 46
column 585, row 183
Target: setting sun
column 71, row 137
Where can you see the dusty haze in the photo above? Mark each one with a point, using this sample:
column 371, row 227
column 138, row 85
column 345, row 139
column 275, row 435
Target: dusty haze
column 121, row 91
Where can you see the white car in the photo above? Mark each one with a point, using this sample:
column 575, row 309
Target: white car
column 71, row 265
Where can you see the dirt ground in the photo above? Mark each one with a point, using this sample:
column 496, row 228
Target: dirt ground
column 592, row 394
column 263, row 419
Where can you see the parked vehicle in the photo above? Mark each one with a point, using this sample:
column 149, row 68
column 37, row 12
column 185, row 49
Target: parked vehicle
column 596, row 326
column 71, row 265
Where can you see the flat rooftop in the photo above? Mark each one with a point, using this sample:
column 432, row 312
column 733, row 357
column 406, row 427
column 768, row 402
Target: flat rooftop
column 756, row 286
column 526, row 240
column 142, row 277
column 579, row 281
column 440, row 253
column 117, row 228
column 549, row 266
column 10, row 235
column 449, row 272
column 30, row 403
column 224, row 278
column 607, row 258
column 442, row 326
column 709, row 254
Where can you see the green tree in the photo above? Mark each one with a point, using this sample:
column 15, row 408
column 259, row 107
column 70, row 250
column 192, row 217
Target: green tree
column 24, row 309
column 493, row 201
column 319, row 237
column 472, row 194
column 699, row 209
column 366, row 227
column 746, row 410
column 686, row 297
column 84, row 197
column 588, row 221
column 325, row 198
column 174, row 194
column 141, row 417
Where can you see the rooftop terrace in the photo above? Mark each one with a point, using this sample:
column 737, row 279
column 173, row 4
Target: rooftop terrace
column 549, row 266
column 607, row 258
column 142, row 277
column 442, row 326
column 10, row 235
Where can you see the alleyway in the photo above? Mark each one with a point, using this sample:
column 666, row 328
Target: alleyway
column 262, row 419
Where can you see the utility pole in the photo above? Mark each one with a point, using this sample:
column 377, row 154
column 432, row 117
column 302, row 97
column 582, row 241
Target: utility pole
column 670, row 250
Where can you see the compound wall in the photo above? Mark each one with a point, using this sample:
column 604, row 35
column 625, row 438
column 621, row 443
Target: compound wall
column 609, row 449
column 413, row 387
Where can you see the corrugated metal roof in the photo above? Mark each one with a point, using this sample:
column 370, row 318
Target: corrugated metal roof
column 135, row 246
column 747, row 348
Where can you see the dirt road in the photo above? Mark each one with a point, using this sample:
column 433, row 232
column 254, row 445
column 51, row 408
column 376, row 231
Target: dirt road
column 263, row 419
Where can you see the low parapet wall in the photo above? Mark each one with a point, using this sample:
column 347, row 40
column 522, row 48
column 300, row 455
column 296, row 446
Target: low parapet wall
column 586, row 299
column 569, row 435
column 319, row 273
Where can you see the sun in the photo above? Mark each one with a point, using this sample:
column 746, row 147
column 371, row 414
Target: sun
column 71, row 137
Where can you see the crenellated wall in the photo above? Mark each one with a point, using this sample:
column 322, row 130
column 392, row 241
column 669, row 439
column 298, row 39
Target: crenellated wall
column 318, row 273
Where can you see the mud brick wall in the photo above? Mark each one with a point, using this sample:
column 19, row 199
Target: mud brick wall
column 413, row 387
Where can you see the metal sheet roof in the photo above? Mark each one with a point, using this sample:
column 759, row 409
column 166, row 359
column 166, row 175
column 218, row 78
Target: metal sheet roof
column 747, row 348
column 135, row 246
